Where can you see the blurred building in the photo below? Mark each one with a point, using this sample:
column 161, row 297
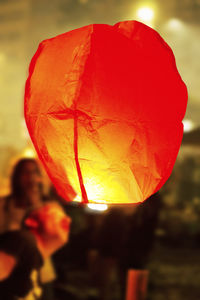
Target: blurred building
column 14, row 19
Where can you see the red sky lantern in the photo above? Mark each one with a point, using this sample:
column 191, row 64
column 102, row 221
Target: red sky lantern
column 104, row 108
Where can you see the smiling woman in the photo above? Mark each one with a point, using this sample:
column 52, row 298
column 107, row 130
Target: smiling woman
column 23, row 250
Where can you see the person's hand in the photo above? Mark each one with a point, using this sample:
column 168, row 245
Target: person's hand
column 7, row 264
column 51, row 226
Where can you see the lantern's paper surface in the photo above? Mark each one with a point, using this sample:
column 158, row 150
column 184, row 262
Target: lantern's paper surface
column 104, row 108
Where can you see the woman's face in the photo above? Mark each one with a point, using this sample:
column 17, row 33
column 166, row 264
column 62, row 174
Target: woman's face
column 30, row 177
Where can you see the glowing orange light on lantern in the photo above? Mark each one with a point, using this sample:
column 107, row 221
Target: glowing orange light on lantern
column 104, row 108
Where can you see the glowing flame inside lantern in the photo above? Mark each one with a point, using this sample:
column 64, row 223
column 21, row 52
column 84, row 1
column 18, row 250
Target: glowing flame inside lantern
column 98, row 207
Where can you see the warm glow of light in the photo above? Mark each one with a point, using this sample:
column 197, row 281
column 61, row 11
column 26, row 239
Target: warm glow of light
column 29, row 153
column 77, row 198
column 145, row 14
column 175, row 24
column 188, row 125
column 101, row 191
column 99, row 207
column 94, row 189
column 101, row 150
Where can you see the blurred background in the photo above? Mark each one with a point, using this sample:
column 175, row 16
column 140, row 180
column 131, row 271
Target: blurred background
column 175, row 259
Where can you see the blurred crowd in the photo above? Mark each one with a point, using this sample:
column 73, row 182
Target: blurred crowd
column 51, row 249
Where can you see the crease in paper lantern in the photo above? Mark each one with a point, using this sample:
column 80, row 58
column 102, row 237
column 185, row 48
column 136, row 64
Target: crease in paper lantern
column 104, row 108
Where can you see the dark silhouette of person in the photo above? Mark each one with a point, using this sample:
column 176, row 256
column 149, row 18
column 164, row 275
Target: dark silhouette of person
column 23, row 250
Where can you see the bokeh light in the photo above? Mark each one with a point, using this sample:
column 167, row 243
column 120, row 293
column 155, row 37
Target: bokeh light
column 28, row 152
column 188, row 125
column 175, row 24
column 145, row 14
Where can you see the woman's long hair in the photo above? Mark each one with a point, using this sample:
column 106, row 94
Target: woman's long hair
column 16, row 189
